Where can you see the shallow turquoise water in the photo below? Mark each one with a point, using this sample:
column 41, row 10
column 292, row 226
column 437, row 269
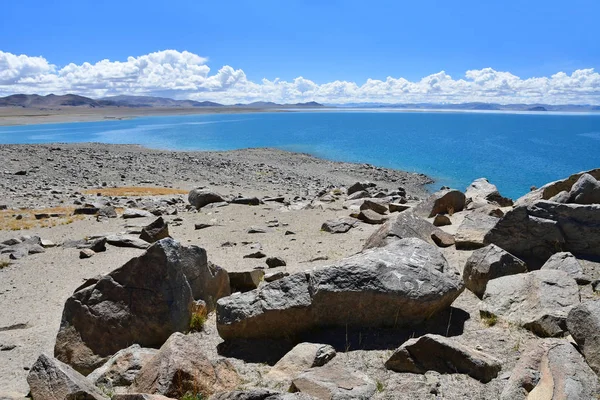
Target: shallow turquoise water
column 514, row 151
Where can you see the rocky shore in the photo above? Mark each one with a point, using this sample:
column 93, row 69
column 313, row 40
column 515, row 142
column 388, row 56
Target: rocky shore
column 130, row 273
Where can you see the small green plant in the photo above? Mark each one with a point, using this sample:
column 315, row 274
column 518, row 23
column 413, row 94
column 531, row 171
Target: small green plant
column 197, row 322
column 380, row 386
column 4, row 263
column 192, row 396
column 489, row 319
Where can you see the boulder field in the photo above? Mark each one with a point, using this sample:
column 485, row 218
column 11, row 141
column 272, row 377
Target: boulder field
column 460, row 295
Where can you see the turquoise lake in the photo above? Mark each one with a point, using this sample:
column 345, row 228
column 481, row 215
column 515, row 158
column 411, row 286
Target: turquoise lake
column 514, row 151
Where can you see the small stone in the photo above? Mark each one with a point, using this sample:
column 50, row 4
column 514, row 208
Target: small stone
column 441, row 220
column 86, row 253
column 274, row 262
column 257, row 254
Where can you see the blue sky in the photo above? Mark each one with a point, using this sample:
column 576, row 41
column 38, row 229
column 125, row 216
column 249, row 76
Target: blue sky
column 321, row 41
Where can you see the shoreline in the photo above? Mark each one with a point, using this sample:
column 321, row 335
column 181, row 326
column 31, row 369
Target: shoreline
column 18, row 116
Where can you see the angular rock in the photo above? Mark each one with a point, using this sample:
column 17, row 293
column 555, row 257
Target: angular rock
column 565, row 261
column 446, row 201
column 583, row 323
column 274, row 276
column 397, row 207
column 127, row 241
column 107, row 212
column 254, row 229
column 400, row 226
column 246, row 280
column 50, row 379
column 551, row 189
column 357, row 187
column 155, row 231
column 301, row 358
column 379, row 207
column 403, row 283
column 536, row 231
column 107, row 314
column 180, row 366
column 87, row 210
column 274, row 262
column 471, row 232
column 441, row 220
column 442, row 239
column 585, row 191
column 538, row 300
column 341, row 225
column 22, row 248
column 122, row 368
column 86, row 253
column 489, row 263
column 371, row 217
column 333, row 382
column 437, row 353
column 249, row 201
column 200, row 198
column 551, row 369
column 359, row 195
column 481, row 190
column 135, row 213
column 256, row 254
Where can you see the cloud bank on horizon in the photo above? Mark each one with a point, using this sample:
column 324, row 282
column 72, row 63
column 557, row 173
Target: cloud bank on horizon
column 184, row 75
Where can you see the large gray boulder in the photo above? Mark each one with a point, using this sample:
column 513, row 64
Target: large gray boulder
column 551, row 369
column 200, row 198
column 585, row 191
column 402, row 226
column 481, row 192
column 583, row 323
column 335, row 383
column 538, row 300
column 180, row 366
column 472, row 230
column 122, row 368
column 142, row 302
column 489, row 263
column 442, row 202
column 565, row 261
column 50, row 379
column 403, row 283
column 437, row 353
column 552, row 189
column 534, row 232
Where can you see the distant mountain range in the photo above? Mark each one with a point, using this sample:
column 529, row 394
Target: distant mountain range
column 72, row 100
column 477, row 107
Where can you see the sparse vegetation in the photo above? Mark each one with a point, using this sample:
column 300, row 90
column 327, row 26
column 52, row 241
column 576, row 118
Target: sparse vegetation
column 24, row 218
column 489, row 319
column 132, row 191
column 192, row 396
column 380, row 386
column 197, row 322
column 4, row 263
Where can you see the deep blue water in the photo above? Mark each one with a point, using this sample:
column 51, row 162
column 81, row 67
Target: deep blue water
column 514, row 151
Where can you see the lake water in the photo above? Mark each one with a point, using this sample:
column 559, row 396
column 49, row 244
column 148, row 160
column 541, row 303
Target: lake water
column 514, row 151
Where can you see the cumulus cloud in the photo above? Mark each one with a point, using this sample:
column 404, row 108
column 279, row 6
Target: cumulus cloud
column 184, row 75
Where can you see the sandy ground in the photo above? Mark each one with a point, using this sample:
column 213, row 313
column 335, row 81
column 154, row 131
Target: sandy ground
column 30, row 116
column 33, row 289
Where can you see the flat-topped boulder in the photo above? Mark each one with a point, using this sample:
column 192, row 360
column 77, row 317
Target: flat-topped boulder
column 539, row 300
column 472, row 230
column 565, row 261
column 445, row 201
column 403, row 283
column 142, row 302
column 202, row 197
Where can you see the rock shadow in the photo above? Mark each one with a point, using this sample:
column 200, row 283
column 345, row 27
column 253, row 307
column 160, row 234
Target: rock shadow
column 447, row 323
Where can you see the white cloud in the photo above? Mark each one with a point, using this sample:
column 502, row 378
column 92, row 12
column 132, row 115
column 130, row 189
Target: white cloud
column 186, row 75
